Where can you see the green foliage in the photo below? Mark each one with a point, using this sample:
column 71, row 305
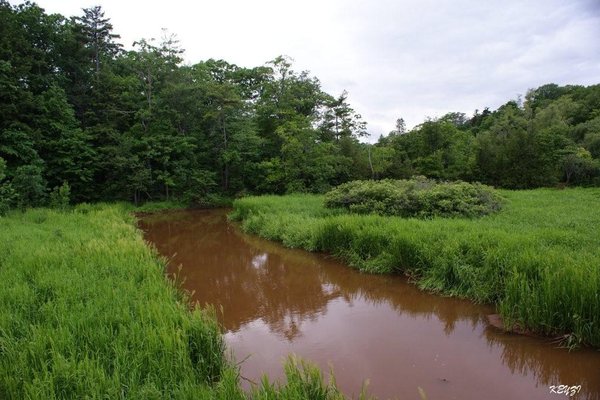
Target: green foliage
column 60, row 197
column 517, row 146
column 419, row 197
column 536, row 260
column 198, row 186
column 154, row 206
column 66, row 149
column 304, row 381
column 138, row 125
column 96, row 32
column 436, row 148
column 29, row 186
column 579, row 167
column 7, row 193
column 7, row 197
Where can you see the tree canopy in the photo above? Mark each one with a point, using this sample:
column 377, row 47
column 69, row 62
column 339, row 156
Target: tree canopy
column 115, row 124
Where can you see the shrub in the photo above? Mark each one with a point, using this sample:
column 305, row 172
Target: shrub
column 7, row 197
column 60, row 197
column 7, row 193
column 29, row 185
column 417, row 197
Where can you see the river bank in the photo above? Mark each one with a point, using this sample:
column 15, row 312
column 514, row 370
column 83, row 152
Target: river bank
column 536, row 261
column 88, row 313
column 378, row 328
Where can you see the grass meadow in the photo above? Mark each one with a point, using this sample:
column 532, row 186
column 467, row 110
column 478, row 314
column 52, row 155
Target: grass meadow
column 88, row 313
column 537, row 260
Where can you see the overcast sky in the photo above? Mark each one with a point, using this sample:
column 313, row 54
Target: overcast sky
column 410, row 59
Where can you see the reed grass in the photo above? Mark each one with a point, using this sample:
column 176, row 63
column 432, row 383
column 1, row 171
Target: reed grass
column 538, row 260
column 87, row 313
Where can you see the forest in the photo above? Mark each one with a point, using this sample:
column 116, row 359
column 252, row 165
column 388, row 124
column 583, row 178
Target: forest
column 84, row 120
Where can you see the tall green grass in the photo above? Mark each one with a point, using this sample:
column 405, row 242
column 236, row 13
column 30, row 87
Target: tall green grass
column 538, row 260
column 88, row 313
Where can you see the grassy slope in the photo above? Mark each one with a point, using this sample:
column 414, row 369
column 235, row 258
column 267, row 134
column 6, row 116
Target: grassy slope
column 87, row 313
column 538, row 259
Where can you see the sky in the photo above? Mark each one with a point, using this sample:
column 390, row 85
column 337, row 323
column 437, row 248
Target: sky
column 409, row 59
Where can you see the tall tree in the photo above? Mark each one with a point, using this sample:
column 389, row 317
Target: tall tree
column 98, row 36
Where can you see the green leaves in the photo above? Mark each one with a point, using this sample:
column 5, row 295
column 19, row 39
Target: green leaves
column 7, row 193
column 29, row 186
column 60, row 197
column 418, row 197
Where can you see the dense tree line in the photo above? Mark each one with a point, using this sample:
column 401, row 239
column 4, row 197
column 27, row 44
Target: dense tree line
column 81, row 116
column 550, row 138
column 139, row 124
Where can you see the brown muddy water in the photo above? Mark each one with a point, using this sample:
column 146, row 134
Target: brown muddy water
column 276, row 301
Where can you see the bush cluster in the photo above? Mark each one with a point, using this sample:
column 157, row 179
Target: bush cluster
column 417, row 197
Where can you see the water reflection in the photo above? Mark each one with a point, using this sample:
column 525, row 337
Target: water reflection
column 277, row 300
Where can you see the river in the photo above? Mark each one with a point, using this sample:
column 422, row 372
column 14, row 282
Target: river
column 373, row 329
